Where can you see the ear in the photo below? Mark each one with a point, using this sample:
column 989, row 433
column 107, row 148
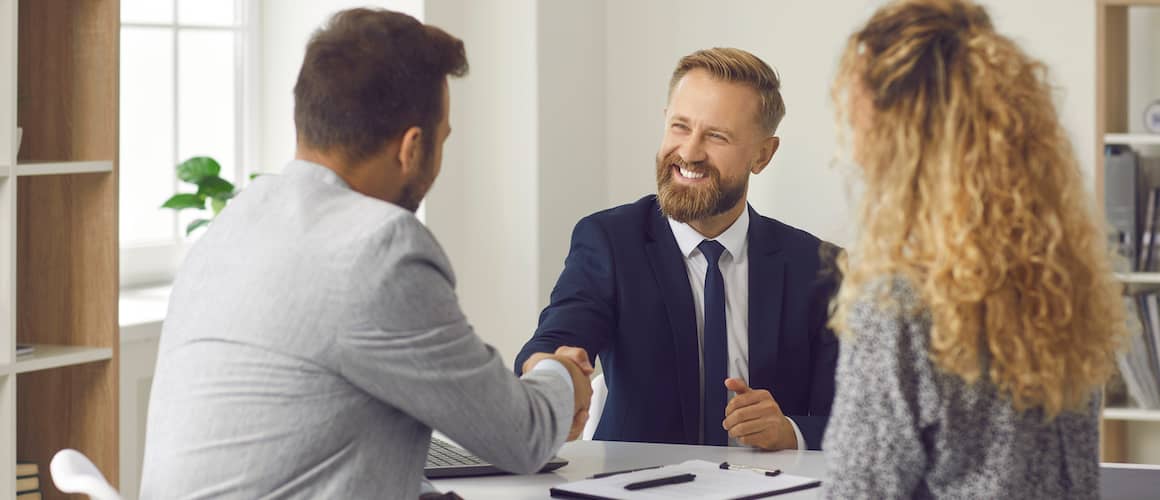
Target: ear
column 411, row 150
column 768, row 148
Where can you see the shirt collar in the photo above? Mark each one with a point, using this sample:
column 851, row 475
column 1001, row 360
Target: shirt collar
column 733, row 239
column 314, row 171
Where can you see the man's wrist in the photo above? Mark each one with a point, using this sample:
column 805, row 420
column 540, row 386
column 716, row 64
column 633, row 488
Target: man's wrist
column 553, row 366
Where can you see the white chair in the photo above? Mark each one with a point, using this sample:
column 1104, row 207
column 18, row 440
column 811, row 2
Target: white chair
column 73, row 472
column 596, row 407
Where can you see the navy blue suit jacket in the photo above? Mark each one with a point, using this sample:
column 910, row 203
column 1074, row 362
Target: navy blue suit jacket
column 624, row 295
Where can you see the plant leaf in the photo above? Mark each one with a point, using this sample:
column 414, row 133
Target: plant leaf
column 255, row 175
column 194, row 225
column 215, row 187
column 197, row 168
column 217, row 204
column 182, row 201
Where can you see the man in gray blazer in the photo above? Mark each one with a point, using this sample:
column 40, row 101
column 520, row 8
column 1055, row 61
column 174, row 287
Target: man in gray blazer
column 314, row 338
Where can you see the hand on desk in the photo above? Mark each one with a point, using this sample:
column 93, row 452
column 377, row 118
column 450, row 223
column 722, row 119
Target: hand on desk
column 576, row 361
column 754, row 418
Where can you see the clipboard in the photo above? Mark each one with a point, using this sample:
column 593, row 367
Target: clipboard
column 711, row 483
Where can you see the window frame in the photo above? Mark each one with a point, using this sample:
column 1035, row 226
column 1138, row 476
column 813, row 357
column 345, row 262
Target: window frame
column 153, row 263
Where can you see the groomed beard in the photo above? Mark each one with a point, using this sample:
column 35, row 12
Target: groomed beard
column 684, row 203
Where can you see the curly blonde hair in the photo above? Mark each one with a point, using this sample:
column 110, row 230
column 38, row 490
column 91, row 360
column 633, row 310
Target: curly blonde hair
column 974, row 196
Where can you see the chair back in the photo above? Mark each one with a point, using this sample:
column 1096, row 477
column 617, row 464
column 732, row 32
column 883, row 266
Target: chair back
column 73, row 472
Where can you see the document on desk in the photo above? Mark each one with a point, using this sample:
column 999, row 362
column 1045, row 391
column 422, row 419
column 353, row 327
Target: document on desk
column 711, row 482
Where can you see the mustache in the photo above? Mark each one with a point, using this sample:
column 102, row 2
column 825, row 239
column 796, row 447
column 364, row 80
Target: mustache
column 696, row 167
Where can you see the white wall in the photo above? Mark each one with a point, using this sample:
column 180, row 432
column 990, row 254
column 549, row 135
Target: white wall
column 284, row 27
column 572, row 128
column 483, row 207
column 525, row 160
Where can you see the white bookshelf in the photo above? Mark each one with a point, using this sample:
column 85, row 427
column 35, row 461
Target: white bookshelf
column 1132, row 414
column 63, row 168
column 1139, row 278
column 58, row 356
column 1133, row 139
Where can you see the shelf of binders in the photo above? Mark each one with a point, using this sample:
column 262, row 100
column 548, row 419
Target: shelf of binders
column 44, row 357
column 63, row 167
column 1133, row 414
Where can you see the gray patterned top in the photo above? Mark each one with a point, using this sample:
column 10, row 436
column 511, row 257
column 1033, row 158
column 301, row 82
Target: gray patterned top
column 899, row 428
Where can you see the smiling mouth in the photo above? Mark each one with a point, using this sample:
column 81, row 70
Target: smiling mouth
column 688, row 174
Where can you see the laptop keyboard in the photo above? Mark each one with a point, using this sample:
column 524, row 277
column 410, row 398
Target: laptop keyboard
column 443, row 454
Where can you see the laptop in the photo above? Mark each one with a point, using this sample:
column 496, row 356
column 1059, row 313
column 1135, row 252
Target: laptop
column 445, row 459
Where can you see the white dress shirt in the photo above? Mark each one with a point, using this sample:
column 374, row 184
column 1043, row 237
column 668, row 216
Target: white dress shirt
column 734, row 265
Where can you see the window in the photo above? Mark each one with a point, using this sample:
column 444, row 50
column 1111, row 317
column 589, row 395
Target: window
column 184, row 92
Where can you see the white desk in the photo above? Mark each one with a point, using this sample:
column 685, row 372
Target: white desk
column 590, row 457
column 1117, row 482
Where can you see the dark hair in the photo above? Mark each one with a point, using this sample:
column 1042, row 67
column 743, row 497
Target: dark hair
column 369, row 75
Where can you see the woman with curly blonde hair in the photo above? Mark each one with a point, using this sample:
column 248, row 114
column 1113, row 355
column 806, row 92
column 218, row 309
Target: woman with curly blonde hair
column 979, row 315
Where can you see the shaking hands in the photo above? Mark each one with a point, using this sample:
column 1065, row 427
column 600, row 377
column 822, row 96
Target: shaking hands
column 580, row 368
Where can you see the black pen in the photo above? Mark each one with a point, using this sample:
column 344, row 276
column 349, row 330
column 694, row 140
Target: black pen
column 653, row 483
column 606, row 474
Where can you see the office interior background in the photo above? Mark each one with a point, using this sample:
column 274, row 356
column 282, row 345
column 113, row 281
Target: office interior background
column 560, row 116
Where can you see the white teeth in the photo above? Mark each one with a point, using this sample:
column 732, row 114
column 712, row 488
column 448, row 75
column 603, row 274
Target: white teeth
column 689, row 174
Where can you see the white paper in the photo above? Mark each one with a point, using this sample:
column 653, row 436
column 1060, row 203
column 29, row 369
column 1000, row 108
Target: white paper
column 711, row 483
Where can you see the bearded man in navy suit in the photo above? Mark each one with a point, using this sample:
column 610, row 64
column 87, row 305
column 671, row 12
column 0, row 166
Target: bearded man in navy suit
column 709, row 319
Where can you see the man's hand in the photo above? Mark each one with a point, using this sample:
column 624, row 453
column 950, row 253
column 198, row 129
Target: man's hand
column 754, row 418
column 576, row 361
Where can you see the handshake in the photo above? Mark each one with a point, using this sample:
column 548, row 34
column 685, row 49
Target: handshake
column 576, row 361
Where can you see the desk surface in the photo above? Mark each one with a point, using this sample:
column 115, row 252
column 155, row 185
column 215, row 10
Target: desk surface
column 590, row 457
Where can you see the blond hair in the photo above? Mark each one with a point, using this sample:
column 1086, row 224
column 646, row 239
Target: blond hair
column 739, row 66
column 974, row 195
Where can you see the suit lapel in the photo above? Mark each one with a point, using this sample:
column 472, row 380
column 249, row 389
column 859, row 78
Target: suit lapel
column 668, row 266
column 766, row 294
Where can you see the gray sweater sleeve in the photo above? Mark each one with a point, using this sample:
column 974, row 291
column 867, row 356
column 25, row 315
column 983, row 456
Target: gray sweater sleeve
column 874, row 443
column 421, row 356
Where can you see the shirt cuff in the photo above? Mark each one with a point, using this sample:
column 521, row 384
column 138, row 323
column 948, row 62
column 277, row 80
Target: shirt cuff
column 801, row 441
column 551, row 365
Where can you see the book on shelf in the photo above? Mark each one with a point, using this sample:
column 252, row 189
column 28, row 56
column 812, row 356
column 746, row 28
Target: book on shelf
column 30, row 483
column 24, row 469
column 1132, row 206
column 1120, row 195
column 1138, row 365
column 1148, row 235
column 27, row 481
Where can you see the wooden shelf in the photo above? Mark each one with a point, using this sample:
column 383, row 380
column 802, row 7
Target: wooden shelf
column 63, row 167
column 1133, row 414
column 55, row 356
column 1133, row 139
column 1131, row 3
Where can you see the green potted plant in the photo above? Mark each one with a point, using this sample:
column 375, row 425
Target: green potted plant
column 203, row 172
